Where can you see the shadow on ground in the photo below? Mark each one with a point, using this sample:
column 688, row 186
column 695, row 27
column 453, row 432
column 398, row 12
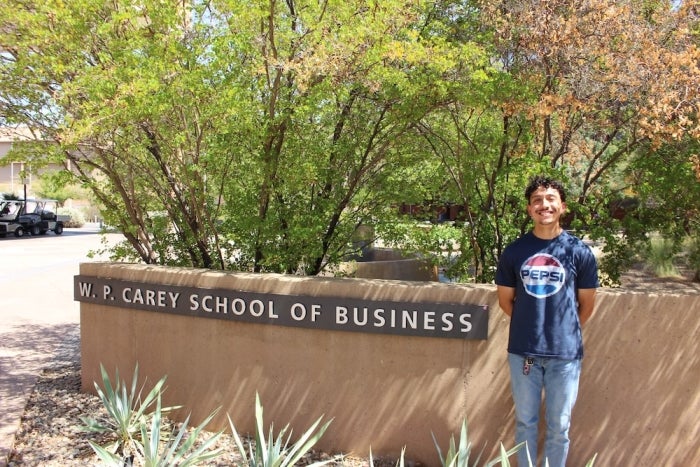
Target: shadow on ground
column 24, row 351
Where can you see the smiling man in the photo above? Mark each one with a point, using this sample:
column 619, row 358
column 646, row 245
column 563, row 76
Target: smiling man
column 546, row 282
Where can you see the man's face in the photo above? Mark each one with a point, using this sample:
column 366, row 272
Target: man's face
column 545, row 206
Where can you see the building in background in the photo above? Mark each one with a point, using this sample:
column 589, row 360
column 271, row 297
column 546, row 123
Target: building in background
column 11, row 172
column 15, row 174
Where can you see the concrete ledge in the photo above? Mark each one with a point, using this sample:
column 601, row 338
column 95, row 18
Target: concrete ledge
column 387, row 263
column 638, row 402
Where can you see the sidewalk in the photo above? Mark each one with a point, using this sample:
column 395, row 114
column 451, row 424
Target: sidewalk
column 39, row 321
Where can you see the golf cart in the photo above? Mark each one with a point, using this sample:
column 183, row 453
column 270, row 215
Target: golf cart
column 10, row 210
column 34, row 216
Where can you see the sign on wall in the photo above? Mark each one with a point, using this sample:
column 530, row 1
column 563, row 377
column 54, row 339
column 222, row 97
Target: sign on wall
column 428, row 319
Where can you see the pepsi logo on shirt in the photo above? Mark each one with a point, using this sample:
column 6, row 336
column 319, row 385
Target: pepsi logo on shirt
column 543, row 275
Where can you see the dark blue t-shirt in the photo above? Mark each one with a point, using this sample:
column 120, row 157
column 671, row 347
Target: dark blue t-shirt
column 546, row 275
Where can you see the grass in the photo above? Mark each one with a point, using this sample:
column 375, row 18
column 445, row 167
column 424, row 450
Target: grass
column 661, row 257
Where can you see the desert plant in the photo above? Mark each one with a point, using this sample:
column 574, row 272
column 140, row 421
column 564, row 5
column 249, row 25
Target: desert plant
column 126, row 412
column 178, row 449
column 156, row 450
column 458, row 455
column 276, row 451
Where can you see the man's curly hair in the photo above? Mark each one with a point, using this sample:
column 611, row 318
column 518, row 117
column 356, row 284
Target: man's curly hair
column 544, row 182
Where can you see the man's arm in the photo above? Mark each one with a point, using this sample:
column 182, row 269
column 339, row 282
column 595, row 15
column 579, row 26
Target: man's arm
column 506, row 297
column 586, row 302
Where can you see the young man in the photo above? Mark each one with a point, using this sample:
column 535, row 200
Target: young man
column 546, row 282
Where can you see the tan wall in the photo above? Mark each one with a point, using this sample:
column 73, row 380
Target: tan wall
column 638, row 405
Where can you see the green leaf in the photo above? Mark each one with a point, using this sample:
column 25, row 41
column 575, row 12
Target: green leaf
column 275, row 450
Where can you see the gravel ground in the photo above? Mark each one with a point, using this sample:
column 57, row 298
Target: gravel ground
column 50, row 432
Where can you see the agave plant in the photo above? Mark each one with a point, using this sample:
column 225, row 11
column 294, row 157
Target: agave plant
column 178, row 449
column 156, row 449
column 276, row 451
column 126, row 411
column 458, row 455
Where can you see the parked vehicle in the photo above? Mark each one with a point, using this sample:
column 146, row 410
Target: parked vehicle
column 34, row 216
column 10, row 210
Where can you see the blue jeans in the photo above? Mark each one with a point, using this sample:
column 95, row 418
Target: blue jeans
column 559, row 379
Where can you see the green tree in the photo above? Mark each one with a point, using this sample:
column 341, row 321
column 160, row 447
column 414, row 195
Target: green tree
column 112, row 86
column 667, row 185
column 58, row 185
column 582, row 89
column 258, row 136
column 338, row 122
column 229, row 134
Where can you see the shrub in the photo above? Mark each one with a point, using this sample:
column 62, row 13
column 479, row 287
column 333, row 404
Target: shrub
column 77, row 218
column 692, row 246
column 660, row 257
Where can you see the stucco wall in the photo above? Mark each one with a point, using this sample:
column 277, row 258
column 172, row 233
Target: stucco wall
column 638, row 402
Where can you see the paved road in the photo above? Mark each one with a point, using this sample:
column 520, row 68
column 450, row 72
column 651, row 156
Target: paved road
column 39, row 321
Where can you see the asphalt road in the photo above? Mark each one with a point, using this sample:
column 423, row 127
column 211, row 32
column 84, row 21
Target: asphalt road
column 39, row 320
